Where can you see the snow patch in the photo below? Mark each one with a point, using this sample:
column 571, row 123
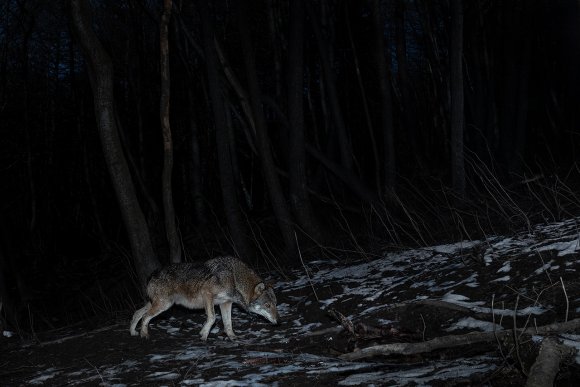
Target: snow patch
column 470, row 322
column 505, row 268
column 563, row 248
column 573, row 341
column 46, row 375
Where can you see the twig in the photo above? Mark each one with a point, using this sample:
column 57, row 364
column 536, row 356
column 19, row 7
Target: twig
column 544, row 267
column 321, row 332
column 67, row 338
column 424, row 325
column 305, row 268
column 96, row 369
column 567, row 300
column 494, row 330
column 516, row 337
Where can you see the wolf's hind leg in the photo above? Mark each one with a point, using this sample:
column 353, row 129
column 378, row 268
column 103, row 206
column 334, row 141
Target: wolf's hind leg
column 137, row 316
column 157, row 307
column 210, row 311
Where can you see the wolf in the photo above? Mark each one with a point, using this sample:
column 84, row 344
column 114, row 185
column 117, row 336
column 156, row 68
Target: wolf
column 219, row 281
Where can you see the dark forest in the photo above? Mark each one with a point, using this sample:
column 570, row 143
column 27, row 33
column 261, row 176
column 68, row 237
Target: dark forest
column 136, row 133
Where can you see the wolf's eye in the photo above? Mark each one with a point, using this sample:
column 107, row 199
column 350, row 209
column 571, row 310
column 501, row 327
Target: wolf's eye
column 267, row 305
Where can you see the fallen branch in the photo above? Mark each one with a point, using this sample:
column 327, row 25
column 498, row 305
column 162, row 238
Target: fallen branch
column 345, row 322
column 456, row 341
column 547, row 364
column 67, row 338
column 445, row 305
column 325, row 331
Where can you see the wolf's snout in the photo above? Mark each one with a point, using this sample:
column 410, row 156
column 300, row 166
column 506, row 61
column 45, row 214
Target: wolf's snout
column 275, row 320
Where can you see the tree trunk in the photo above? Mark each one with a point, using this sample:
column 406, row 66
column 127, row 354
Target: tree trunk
column 167, row 191
column 5, row 299
column 522, row 100
column 457, row 100
column 407, row 110
column 382, row 51
column 26, row 119
column 196, row 172
column 79, row 117
column 332, row 92
column 100, row 69
column 273, row 26
column 276, row 195
column 241, row 242
column 364, row 101
column 299, row 198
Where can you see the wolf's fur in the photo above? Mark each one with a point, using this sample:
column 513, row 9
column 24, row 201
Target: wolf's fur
column 219, row 281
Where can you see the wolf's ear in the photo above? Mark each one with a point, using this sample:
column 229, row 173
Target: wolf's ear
column 259, row 289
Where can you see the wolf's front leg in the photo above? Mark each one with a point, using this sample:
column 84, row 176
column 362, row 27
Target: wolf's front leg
column 226, row 309
column 210, row 311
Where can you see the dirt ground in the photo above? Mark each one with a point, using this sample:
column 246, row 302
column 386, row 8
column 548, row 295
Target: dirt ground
column 175, row 355
column 411, row 296
column 109, row 356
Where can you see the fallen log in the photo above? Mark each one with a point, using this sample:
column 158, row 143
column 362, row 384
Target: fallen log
column 457, row 341
column 547, row 364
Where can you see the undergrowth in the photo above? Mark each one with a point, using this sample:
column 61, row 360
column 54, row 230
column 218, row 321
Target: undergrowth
column 104, row 287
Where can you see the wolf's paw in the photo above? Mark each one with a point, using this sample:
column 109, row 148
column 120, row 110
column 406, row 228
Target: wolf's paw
column 203, row 334
column 231, row 335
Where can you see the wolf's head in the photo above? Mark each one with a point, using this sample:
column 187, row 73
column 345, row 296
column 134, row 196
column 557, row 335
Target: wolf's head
column 264, row 303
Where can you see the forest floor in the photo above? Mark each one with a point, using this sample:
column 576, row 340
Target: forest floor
column 524, row 280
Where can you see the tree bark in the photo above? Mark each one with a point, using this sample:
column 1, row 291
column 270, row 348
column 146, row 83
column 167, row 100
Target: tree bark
column 240, row 240
column 100, row 68
column 276, row 195
column 167, row 190
column 457, row 98
column 299, row 198
column 547, row 365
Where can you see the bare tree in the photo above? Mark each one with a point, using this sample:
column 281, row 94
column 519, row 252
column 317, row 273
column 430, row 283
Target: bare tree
column 100, row 68
column 457, row 99
column 167, row 191
column 330, row 89
column 404, row 81
column 382, row 52
column 196, row 167
column 232, row 210
column 276, row 195
column 297, row 158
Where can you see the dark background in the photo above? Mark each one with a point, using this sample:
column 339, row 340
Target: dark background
column 64, row 250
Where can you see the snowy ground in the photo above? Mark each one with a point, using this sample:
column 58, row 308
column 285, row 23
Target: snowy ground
column 482, row 280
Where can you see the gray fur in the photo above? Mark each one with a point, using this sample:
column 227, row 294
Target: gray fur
column 219, row 281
